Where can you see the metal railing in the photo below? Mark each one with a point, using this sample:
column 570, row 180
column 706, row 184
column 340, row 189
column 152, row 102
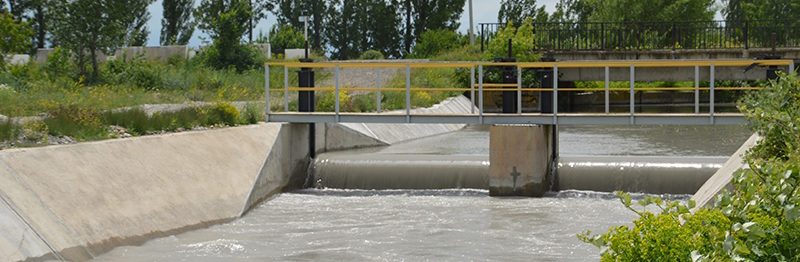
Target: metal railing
column 652, row 35
column 480, row 87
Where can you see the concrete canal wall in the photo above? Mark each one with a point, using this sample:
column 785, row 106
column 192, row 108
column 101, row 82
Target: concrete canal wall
column 74, row 202
column 722, row 178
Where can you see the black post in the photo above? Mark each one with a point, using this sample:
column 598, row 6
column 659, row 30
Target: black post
column 546, row 97
column 306, row 99
column 509, row 77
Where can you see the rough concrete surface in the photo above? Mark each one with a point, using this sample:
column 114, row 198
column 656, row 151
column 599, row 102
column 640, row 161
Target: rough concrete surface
column 85, row 199
column 394, row 133
column 520, row 160
column 722, row 178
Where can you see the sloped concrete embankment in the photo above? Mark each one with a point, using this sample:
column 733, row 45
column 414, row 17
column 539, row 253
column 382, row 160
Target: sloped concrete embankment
column 722, row 178
column 74, row 202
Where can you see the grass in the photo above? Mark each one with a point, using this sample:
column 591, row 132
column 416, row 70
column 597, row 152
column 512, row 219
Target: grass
column 8, row 130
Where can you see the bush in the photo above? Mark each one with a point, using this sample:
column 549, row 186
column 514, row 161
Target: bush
column 434, row 42
column 283, row 37
column 80, row 123
column 371, row 55
column 8, row 130
column 759, row 221
column 224, row 113
column 522, row 43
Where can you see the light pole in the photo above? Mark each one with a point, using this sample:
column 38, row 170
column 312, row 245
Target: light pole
column 471, row 32
column 304, row 19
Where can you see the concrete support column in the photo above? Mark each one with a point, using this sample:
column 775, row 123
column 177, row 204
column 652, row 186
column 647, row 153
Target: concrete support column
column 521, row 158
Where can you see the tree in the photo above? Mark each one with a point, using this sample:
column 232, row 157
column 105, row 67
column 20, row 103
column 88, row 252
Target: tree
column 655, row 10
column 517, row 11
column 763, row 9
column 573, row 11
column 433, row 42
column 94, row 26
column 226, row 21
column 15, row 36
column 177, row 26
column 137, row 29
column 283, row 37
column 288, row 12
column 424, row 15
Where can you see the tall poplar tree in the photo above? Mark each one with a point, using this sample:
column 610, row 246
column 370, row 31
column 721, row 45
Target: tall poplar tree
column 288, row 12
column 177, row 26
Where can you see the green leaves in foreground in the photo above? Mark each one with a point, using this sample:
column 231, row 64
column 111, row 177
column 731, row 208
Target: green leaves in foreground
column 759, row 221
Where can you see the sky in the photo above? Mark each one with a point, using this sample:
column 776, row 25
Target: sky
column 483, row 11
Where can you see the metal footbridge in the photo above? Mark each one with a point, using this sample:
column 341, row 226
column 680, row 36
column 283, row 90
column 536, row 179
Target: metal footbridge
column 546, row 116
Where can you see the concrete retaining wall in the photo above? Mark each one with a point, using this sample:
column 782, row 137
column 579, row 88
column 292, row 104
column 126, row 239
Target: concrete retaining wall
column 155, row 53
column 74, row 202
column 722, row 178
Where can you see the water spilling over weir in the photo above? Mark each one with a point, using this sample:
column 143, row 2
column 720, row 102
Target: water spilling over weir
column 452, row 224
column 658, row 175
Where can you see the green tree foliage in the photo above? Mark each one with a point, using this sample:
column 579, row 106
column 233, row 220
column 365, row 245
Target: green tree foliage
column 137, row 29
column 758, row 221
column 226, row 22
column 517, row 11
column 15, row 36
column 434, row 42
column 656, row 10
column 424, row 15
column 573, row 11
column 283, row 37
column 95, row 26
column 177, row 26
column 761, row 9
column 521, row 42
column 360, row 25
column 288, row 12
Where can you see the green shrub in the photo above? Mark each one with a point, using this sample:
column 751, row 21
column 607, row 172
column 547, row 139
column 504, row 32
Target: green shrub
column 252, row 114
column 60, row 64
column 135, row 120
column 371, row 55
column 434, row 42
column 759, row 221
column 224, row 113
column 8, row 130
column 80, row 123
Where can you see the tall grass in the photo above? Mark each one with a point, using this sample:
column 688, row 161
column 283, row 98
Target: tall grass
column 8, row 130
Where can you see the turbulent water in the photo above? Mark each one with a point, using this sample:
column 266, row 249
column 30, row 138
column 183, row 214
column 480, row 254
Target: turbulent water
column 438, row 225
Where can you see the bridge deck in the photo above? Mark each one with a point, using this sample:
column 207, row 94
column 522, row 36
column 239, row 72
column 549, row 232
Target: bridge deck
column 524, row 118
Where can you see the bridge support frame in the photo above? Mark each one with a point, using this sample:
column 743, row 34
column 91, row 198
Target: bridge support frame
column 521, row 159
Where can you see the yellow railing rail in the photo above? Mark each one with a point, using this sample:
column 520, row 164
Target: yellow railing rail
column 495, row 87
column 564, row 64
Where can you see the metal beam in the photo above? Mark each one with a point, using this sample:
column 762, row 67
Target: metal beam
column 525, row 118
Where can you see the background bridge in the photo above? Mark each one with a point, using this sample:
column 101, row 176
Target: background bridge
column 548, row 114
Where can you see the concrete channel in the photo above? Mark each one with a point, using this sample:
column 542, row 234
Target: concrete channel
column 74, row 202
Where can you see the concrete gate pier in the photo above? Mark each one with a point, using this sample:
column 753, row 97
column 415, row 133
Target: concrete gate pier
column 521, row 159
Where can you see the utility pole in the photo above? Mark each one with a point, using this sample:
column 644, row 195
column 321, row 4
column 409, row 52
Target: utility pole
column 251, row 21
column 471, row 29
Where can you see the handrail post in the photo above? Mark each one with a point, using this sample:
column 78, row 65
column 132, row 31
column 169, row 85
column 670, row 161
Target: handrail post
column 791, row 67
column 555, row 94
column 408, row 93
column 697, row 89
column 336, row 95
column 607, row 95
column 480, row 94
column 378, row 69
column 711, row 94
column 286, row 86
column 266, row 89
column 632, row 92
column 519, row 90
column 472, row 89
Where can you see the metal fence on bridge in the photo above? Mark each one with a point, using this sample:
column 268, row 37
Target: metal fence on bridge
column 717, row 34
column 479, row 88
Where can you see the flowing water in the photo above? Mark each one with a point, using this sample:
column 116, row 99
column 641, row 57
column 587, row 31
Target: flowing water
column 439, row 225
